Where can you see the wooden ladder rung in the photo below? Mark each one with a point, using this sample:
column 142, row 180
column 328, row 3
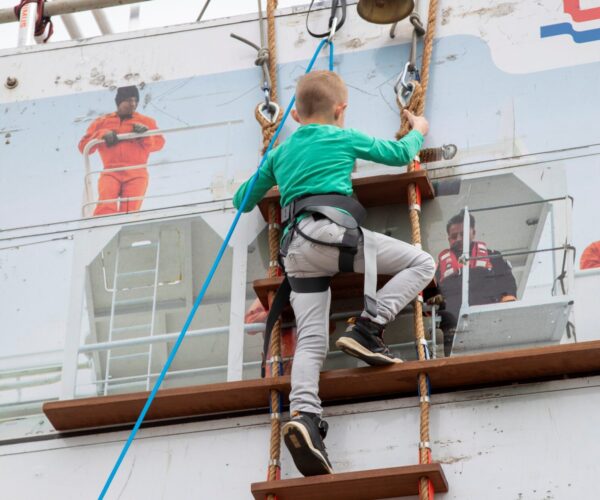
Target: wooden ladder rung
column 374, row 191
column 344, row 286
column 361, row 485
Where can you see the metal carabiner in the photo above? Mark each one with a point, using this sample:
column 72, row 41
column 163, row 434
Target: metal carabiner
column 403, row 88
column 401, row 80
column 334, row 23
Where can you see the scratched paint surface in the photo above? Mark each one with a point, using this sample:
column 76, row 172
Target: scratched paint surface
column 472, row 104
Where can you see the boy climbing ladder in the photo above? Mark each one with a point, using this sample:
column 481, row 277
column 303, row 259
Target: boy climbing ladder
column 323, row 236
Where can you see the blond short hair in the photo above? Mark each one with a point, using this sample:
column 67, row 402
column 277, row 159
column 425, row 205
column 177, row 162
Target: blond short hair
column 318, row 92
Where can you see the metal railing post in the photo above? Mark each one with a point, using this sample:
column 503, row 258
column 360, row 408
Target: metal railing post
column 27, row 22
column 61, row 7
column 465, row 261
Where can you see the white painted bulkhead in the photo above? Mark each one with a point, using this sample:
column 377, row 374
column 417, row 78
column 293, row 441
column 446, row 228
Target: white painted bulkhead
column 534, row 441
column 525, row 442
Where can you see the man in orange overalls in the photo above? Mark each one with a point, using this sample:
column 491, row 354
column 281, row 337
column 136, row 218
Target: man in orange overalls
column 126, row 186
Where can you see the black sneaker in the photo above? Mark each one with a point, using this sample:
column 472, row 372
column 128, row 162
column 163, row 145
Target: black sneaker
column 303, row 436
column 363, row 339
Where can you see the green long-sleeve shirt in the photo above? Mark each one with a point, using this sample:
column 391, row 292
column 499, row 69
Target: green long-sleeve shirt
column 318, row 159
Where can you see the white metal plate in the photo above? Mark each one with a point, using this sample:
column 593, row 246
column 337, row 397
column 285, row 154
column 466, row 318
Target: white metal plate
column 494, row 327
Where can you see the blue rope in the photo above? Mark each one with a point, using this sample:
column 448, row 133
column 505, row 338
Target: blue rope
column 209, row 278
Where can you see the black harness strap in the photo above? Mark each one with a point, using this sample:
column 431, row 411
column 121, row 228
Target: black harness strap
column 282, row 298
column 327, row 205
column 338, row 208
column 348, row 250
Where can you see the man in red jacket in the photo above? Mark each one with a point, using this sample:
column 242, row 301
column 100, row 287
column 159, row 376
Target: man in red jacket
column 126, row 187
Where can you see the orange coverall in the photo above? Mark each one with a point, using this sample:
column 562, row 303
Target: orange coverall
column 122, row 183
column 590, row 258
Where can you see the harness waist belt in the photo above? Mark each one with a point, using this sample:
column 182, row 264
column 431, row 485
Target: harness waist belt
column 327, row 205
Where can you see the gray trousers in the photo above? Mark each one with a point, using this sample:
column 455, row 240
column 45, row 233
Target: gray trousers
column 412, row 270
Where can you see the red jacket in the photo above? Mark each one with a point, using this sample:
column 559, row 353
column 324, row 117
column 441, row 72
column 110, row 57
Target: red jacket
column 124, row 153
column 448, row 264
column 590, row 258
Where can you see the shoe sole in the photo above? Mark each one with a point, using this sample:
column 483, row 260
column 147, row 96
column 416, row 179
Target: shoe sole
column 308, row 460
column 353, row 348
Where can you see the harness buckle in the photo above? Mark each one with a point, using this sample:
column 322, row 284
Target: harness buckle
column 287, row 213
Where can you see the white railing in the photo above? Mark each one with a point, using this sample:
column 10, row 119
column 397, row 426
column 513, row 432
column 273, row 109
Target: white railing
column 89, row 202
column 166, row 337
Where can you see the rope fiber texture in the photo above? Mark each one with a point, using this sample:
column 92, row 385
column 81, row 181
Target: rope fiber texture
column 269, row 127
column 417, row 107
column 268, row 131
column 205, row 285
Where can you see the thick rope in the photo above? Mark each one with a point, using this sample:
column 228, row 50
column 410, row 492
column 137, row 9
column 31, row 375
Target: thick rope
column 272, row 44
column 269, row 127
column 417, row 106
column 275, row 350
column 417, row 101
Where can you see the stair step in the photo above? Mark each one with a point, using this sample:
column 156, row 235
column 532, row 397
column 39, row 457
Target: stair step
column 361, row 485
column 136, row 273
column 120, row 329
column 139, row 300
column 129, row 356
column 343, row 286
column 141, row 244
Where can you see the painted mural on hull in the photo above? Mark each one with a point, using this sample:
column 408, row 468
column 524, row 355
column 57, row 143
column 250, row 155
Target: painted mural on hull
column 107, row 139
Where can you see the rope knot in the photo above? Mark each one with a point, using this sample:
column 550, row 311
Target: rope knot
column 415, row 20
column 262, row 57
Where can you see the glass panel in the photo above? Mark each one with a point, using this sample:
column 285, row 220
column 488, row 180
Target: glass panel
column 142, row 284
column 258, row 259
column 519, row 270
column 35, row 288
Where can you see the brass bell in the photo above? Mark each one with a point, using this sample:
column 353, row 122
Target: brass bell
column 385, row 11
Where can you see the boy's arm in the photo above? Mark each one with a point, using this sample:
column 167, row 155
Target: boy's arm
column 394, row 152
column 266, row 180
column 384, row 151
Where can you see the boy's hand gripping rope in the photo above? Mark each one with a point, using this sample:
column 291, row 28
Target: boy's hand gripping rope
column 209, row 278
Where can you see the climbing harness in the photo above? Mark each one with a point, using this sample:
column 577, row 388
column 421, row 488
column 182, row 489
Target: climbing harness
column 205, row 285
column 41, row 22
column 327, row 206
column 335, row 22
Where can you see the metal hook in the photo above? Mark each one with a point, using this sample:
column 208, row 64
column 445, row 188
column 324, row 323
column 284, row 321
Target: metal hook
column 449, row 151
column 262, row 60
